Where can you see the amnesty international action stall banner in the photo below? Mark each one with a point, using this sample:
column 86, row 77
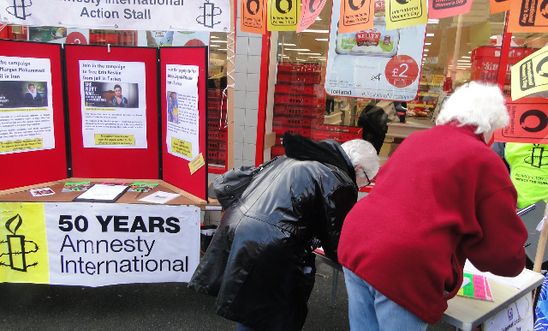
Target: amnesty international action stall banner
column 374, row 63
column 183, row 15
column 182, row 111
column 113, row 104
column 530, row 75
column 26, row 113
column 97, row 244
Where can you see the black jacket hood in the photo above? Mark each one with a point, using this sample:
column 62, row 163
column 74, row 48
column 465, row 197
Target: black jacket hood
column 325, row 151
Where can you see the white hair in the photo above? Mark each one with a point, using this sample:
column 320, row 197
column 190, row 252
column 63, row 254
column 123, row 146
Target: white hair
column 362, row 155
column 477, row 104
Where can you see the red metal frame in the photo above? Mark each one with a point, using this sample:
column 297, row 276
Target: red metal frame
column 504, row 52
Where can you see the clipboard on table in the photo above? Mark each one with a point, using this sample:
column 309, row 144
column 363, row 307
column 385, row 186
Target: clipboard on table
column 102, row 193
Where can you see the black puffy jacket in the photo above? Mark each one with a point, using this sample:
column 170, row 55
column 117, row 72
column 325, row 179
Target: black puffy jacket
column 259, row 263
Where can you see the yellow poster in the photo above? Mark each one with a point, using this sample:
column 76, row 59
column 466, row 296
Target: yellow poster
column 530, row 75
column 23, row 243
column 528, row 16
column 404, row 13
column 283, row 15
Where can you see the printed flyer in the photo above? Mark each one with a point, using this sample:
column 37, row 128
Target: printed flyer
column 375, row 63
column 97, row 244
column 182, row 111
column 113, row 104
column 26, row 112
column 530, row 75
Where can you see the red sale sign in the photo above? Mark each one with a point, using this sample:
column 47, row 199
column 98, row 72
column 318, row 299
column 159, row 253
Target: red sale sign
column 528, row 122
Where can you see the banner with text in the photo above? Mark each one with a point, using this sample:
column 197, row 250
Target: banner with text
column 283, row 15
column 182, row 111
column 374, row 63
column 253, row 16
column 196, row 15
column 26, row 112
column 448, row 8
column 400, row 14
column 528, row 16
column 528, row 122
column 530, row 75
column 97, row 244
column 113, row 104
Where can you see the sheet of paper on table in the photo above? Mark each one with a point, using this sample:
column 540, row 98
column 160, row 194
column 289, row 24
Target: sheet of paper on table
column 102, row 193
column 159, row 197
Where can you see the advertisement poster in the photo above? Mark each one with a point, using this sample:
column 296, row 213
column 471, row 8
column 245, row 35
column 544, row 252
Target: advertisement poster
column 528, row 16
column 310, row 10
column 26, row 112
column 374, row 63
column 182, row 111
column 448, row 8
column 97, row 244
column 253, row 16
column 404, row 13
column 356, row 16
column 196, row 15
column 283, row 15
column 113, row 104
column 530, row 75
column 528, row 122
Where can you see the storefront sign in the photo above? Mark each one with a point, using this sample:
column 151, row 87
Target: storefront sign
column 357, row 15
column 497, row 6
column 528, row 122
column 530, row 75
column 448, row 8
column 528, row 16
column 374, row 63
column 283, row 15
column 97, row 244
column 310, row 10
column 403, row 13
column 196, row 15
column 26, row 113
column 253, row 16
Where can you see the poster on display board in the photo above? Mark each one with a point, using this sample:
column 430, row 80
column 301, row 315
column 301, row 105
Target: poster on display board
column 374, row 63
column 113, row 104
column 26, row 112
column 97, row 244
column 182, row 138
column 196, row 15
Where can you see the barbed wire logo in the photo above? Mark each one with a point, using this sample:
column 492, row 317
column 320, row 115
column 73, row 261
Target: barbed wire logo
column 20, row 9
column 538, row 157
column 15, row 257
column 209, row 13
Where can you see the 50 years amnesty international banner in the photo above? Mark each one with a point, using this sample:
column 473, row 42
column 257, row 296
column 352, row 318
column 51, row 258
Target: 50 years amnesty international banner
column 97, row 244
column 181, row 15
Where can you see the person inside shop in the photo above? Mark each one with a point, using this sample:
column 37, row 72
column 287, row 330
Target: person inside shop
column 260, row 263
column 32, row 97
column 118, row 100
column 374, row 123
column 443, row 197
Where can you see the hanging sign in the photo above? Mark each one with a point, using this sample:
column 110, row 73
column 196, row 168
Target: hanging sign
column 196, row 15
column 97, row 244
column 374, row 63
column 404, row 13
column 530, row 75
column 283, row 15
column 448, row 8
column 497, row 6
column 358, row 15
column 310, row 9
column 253, row 16
column 528, row 122
column 528, row 16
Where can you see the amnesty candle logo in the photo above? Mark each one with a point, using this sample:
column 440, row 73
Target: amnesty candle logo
column 20, row 9
column 23, row 248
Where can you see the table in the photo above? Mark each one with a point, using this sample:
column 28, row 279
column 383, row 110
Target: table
column 466, row 314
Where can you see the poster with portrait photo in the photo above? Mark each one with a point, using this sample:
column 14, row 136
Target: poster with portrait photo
column 26, row 114
column 113, row 104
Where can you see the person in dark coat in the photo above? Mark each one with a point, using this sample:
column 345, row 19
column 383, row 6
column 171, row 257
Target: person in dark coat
column 374, row 122
column 260, row 263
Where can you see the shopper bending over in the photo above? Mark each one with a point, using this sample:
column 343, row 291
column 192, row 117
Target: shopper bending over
column 403, row 260
column 260, row 263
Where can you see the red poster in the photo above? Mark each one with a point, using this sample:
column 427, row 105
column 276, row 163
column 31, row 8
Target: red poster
column 310, row 9
column 356, row 15
column 253, row 18
column 528, row 122
column 447, row 8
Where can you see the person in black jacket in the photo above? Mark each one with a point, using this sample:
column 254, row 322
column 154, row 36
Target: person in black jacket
column 260, row 263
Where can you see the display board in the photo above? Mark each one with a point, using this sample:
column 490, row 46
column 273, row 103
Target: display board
column 112, row 105
column 183, row 121
column 32, row 124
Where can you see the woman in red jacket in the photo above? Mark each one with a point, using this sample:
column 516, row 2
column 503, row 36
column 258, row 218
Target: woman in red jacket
column 403, row 259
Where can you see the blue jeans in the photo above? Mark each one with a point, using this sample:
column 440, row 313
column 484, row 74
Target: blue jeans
column 369, row 309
